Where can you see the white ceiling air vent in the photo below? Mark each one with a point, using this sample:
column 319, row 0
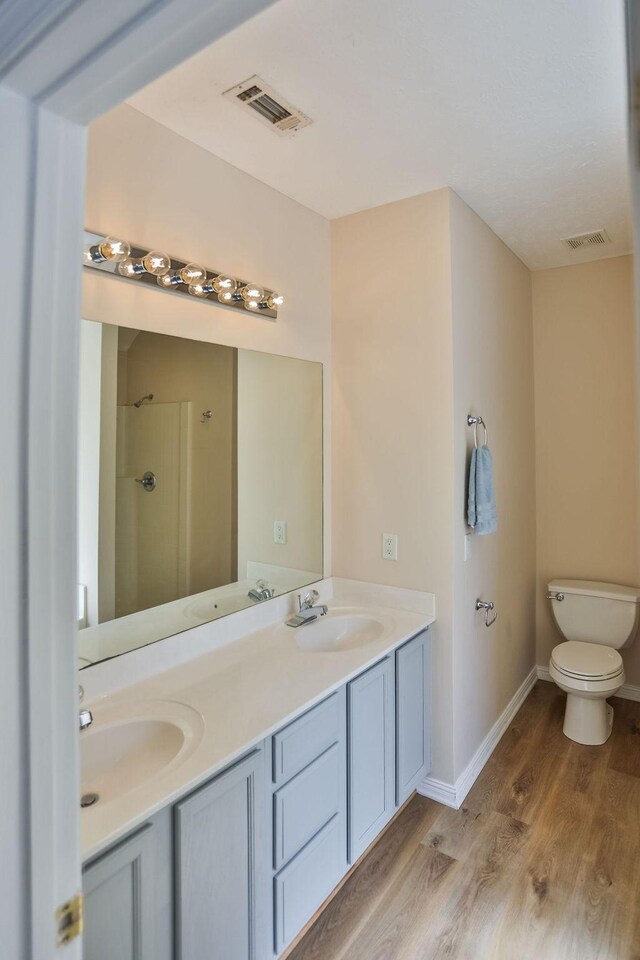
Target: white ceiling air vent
column 272, row 109
column 594, row 239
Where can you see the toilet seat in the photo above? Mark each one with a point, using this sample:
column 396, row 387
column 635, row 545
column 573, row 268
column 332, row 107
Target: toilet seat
column 586, row 661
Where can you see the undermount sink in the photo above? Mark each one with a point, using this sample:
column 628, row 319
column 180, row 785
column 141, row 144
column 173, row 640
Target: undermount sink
column 129, row 744
column 341, row 631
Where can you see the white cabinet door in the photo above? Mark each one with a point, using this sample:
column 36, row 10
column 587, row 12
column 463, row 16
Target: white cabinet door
column 412, row 715
column 120, row 901
column 371, row 745
column 219, row 869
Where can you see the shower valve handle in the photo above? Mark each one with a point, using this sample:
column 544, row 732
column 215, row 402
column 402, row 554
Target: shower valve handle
column 149, row 481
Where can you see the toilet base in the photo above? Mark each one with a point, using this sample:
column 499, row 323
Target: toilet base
column 587, row 720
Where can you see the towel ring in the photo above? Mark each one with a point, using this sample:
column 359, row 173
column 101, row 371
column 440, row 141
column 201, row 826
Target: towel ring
column 489, row 607
column 473, row 422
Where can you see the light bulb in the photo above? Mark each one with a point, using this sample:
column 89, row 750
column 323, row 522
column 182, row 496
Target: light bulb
column 156, row 263
column 171, row 279
column 192, row 274
column 200, row 290
column 226, row 296
column 274, row 301
column 252, row 304
column 113, row 249
column 252, row 292
column 130, row 268
column 223, row 283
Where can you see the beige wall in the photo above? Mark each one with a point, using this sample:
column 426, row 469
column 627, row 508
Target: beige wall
column 493, row 377
column 153, row 187
column 586, row 427
column 432, row 319
column 279, row 461
column 392, row 414
column 107, row 468
column 90, row 358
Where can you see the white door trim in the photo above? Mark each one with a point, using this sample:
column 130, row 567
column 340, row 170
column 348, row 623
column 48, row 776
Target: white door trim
column 93, row 55
column 51, row 507
column 62, row 63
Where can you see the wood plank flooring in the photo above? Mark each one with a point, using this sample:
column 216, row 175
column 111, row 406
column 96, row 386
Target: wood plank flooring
column 542, row 862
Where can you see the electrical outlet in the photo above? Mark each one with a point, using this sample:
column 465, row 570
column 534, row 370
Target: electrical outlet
column 389, row 546
column 279, row 531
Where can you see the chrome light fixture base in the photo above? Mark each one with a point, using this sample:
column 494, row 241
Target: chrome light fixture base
column 235, row 302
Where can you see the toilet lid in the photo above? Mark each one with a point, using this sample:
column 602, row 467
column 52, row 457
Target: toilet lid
column 586, row 660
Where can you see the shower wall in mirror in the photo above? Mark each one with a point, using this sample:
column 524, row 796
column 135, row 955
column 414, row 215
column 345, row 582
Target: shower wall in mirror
column 200, row 483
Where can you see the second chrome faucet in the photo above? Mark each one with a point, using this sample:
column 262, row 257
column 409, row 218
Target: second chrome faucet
column 261, row 591
column 308, row 610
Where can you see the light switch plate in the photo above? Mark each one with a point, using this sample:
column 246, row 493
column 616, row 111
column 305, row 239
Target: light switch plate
column 467, row 546
column 279, row 531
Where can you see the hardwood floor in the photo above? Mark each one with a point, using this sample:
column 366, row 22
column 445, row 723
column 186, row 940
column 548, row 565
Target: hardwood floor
column 542, row 862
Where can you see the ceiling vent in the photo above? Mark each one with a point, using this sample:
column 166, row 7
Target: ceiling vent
column 272, row 109
column 594, row 239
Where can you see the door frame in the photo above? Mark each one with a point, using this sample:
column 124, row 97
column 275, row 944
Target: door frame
column 62, row 64
column 632, row 10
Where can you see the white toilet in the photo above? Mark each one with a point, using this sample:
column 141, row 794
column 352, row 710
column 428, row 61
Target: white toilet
column 598, row 619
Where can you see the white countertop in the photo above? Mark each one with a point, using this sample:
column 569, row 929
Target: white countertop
column 122, row 634
column 243, row 692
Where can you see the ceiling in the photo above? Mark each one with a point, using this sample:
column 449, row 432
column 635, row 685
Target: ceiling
column 520, row 107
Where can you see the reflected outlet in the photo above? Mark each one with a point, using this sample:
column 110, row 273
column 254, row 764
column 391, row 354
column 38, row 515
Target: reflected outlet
column 279, row 531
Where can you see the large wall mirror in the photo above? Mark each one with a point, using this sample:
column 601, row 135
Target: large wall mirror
column 200, row 483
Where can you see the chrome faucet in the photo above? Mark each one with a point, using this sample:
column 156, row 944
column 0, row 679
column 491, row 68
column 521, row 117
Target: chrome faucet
column 86, row 719
column 261, row 591
column 308, row 609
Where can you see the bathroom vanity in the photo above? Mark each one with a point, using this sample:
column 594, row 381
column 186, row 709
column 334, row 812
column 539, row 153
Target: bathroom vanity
column 294, row 760
column 233, row 767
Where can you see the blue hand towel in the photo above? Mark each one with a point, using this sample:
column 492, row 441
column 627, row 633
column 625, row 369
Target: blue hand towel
column 481, row 514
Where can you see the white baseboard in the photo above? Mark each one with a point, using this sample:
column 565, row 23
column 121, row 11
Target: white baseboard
column 626, row 692
column 452, row 795
column 438, row 790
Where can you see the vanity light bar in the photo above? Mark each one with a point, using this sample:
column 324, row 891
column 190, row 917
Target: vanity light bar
column 119, row 257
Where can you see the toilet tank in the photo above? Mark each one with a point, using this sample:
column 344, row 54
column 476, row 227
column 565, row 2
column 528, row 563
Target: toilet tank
column 596, row 612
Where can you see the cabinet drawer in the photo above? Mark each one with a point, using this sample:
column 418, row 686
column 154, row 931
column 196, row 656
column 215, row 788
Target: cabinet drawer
column 307, row 881
column 305, row 804
column 306, row 738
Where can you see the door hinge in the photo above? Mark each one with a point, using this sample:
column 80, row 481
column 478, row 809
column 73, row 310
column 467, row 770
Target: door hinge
column 69, row 918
